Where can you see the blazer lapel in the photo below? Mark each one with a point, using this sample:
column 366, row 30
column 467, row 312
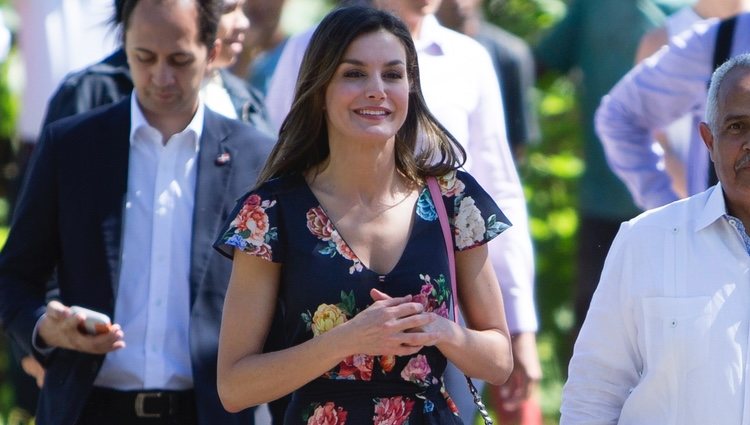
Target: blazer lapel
column 214, row 171
column 114, row 174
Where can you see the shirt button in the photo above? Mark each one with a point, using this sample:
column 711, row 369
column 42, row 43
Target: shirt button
column 673, row 323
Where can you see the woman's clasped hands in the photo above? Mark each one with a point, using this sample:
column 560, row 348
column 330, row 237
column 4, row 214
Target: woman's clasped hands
column 391, row 326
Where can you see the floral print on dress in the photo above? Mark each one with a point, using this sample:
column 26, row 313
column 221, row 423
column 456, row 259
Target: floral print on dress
column 392, row 411
column 326, row 414
column 434, row 295
column 425, row 208
column 469, row 227
column 387, row 363
column 358, row 366
column 250, row 230
column 325, row 285
column 418, row 371
column 327, row 317
column 494, row 227
column 321, row 226
column 450, row 185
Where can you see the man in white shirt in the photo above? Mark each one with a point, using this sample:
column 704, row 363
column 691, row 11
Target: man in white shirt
column 461, row 89
column 123, row 203
column 666, row 337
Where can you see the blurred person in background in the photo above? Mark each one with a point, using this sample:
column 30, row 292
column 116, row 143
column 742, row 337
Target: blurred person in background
column 515, row 69
column 223, row 91
column 667, row 85
column 5, row 38
column 109, row 80
column 514, row 65
column 55, row 37
column 264, row 42
column 675, row 139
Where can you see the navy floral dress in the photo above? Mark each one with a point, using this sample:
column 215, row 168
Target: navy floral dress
column 324, row 284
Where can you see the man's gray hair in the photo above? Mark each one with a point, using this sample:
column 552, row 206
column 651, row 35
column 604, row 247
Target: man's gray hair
column 712, row 103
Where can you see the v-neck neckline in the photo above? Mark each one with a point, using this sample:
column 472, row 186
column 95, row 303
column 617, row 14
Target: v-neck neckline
column 366, row 267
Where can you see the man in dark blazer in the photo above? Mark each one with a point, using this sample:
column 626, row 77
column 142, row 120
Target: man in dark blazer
column 82, row 214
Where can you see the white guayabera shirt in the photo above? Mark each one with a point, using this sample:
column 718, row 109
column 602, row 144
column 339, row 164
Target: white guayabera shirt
column 665, row 340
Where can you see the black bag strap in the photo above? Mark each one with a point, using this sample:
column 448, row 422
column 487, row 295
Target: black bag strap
column 722, row 49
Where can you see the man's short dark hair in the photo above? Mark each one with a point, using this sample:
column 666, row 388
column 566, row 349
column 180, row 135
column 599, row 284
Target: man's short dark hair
column 209, row 13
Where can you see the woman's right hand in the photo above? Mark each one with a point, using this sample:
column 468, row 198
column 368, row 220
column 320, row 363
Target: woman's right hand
column 386, row 327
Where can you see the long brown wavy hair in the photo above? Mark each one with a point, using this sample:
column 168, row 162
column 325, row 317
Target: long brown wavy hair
column 303, row 138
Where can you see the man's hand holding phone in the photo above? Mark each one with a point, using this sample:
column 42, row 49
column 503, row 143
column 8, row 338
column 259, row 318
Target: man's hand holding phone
column 80, row 329
column 94, row 323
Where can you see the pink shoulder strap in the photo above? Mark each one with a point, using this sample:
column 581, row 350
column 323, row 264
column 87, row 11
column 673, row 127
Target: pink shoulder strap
column 437, row 200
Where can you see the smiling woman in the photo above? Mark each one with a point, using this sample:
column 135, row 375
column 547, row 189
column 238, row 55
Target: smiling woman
column 342, row 207
column 367, row 97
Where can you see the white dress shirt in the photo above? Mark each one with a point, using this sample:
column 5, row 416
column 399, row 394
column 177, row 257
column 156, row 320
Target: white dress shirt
column 461, row 89
column 669, row 84
column 665, row 340
column 153, row 295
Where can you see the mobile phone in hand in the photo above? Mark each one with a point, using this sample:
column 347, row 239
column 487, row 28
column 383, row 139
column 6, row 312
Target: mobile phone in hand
column 95, row 323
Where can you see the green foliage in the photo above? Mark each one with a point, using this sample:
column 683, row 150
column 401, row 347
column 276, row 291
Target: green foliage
column 550, row 176
column 525, row 18
column 8, row 105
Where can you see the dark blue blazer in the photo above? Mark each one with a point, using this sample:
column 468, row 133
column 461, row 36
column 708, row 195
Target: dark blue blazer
column 69, row 219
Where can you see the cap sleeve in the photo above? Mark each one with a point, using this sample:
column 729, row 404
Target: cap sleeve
column 252, row 227
column 475, row 217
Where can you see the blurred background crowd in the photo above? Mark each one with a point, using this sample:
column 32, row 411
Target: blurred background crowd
column 556, row 58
